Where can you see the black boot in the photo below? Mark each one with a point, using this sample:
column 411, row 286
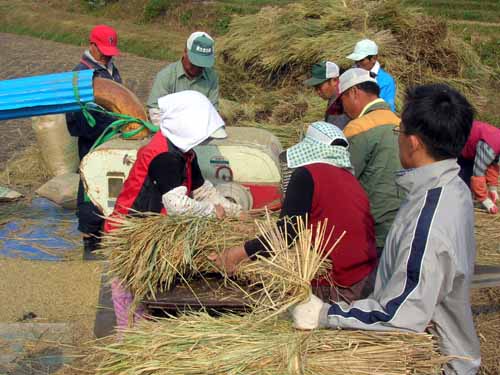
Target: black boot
column 90, row 245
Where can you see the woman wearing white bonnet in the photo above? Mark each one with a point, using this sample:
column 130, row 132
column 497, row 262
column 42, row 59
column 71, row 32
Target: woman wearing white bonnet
column 166, row 177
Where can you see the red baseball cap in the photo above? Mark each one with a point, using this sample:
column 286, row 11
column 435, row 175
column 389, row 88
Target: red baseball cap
column 106, row 40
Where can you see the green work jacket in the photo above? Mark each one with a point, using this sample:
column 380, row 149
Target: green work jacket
column 375, row 158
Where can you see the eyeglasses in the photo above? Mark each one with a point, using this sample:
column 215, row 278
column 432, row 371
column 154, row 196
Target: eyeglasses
column 397, row 130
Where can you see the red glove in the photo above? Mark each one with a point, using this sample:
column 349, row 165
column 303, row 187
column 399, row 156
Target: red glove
column 490, row 206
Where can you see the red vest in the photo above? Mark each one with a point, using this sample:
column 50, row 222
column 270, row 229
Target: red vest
column 339, row 197
column 481, row 131
column 138, row 193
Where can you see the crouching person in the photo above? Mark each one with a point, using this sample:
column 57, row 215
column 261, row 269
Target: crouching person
column 166, row 177
column 479, row 164
column 323, row 187
column 424, row 275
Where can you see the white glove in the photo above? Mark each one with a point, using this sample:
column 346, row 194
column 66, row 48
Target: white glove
column 306, row 315
column 490, row 206
column 155, row 116
column 208, row 193
column 493, row 193
column 176, row 202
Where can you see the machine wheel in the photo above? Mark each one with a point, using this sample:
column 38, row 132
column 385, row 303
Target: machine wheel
column 236, row 193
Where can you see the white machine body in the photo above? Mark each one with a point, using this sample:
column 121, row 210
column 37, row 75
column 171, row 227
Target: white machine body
column 244, row 167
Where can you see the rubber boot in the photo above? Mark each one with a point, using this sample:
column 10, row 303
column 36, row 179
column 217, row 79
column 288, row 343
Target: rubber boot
column 90, row 245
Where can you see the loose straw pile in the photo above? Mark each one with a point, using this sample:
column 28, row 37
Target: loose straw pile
column 201, row 344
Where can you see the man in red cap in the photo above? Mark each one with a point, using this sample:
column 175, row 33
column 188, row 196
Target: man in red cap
column 99, row 57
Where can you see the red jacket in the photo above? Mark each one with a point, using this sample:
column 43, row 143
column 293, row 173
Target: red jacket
column 138, row 193
column 481, row 131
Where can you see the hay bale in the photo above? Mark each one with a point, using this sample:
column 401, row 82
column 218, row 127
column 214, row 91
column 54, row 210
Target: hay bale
column 201, row 344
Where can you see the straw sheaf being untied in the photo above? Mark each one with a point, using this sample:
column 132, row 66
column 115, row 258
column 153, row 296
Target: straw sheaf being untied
column 283, row 277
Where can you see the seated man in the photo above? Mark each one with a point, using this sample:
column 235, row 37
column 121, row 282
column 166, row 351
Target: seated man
column 194, row 71
column 323, row 187
column 424, row 275
column 365, row 56
column 373, row 146
column 325, row 80
column 479, row 164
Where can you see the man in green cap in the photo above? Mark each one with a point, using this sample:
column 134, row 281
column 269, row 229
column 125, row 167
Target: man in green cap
column 192, row 72
column 325, row 80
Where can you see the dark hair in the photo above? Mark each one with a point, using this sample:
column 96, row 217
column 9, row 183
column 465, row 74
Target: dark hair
column 369, row 87
column 339, row 142
column 440, row 116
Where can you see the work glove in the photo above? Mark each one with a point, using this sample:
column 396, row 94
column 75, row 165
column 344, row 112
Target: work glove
column 208, row 193
column 176, row 202
column 306, row 315
column 493, row 193
column 490, row 206
column 155, row 116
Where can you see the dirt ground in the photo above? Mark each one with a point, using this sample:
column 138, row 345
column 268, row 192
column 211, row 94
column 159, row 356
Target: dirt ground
column 68, row 291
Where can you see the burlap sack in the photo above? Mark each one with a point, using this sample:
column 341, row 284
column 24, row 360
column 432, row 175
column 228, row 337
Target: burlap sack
column 61, row 190
column 59, row 149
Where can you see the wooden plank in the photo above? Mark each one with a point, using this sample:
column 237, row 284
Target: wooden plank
column 201, row 293
column 485, row 276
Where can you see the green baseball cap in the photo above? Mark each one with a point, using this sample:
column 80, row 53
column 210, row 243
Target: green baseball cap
column 322, row 72
column 200, row 47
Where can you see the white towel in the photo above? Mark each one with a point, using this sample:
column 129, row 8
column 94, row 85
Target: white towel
column 188, row 118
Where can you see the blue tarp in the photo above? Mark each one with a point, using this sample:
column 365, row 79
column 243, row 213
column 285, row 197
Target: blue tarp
column 45, row 94
column 44, row 232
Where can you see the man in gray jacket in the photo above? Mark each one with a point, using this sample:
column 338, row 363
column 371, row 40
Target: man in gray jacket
column 424, row 275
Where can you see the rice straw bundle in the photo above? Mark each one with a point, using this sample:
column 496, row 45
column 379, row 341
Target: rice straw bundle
column 201, row 344
column 281, row 44
column 283, row 279
column 147, row 253
column 265, row 57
